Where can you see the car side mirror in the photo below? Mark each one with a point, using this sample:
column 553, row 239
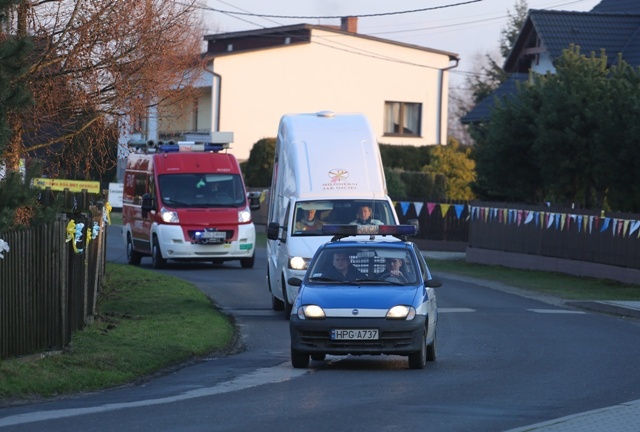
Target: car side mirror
column 434, row 283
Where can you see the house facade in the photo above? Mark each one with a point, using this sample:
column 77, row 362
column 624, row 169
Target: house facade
column 612, row 25
column 254, row 77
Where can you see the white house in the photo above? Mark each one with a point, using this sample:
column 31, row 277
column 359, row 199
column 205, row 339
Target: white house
column 254, row 77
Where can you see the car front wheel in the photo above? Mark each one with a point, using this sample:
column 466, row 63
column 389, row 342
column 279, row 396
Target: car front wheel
column 299, row 360
column 418, row 359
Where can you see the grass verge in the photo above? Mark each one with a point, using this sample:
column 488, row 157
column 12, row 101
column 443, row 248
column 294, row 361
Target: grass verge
column 561, row 285
column 146, row 322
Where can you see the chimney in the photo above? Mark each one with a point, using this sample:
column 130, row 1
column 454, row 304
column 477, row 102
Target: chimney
column 349, row 24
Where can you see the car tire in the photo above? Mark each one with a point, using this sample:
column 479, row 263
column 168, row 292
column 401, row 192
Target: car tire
column 276, row 303
column 299, row 360
column 133, row 257
column 318, row 357
column 157, row 262
column 418, row 359
column 432, row 349
column 248, row 262
column 285, row 301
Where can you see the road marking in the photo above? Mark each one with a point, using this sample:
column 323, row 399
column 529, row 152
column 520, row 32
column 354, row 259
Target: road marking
column 455, row 310
column 556, row 311
column 280, row 373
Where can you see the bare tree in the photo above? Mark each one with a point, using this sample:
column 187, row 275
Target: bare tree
column 95, row 62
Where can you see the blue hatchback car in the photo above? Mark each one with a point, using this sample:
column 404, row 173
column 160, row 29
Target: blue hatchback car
column 365, row 297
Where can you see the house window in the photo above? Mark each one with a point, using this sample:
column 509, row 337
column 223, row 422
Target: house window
column 402, row 119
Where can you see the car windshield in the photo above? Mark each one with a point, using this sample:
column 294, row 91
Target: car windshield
column 310, row 216
column 201, row 190
column 367, row 264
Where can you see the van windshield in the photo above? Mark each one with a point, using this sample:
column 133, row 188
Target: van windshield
column 201, row 190
column 310, row 216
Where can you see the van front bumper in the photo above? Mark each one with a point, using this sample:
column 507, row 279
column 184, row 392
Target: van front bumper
column 175, row 245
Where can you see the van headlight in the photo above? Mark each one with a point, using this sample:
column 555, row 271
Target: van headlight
column 169, row 216
column 244, row 215
column 298, row 263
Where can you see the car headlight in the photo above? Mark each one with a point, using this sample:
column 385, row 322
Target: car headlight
column 310, row 312
column 401, row 312
column 169, row 216
column 244, row 216
column 299, row 263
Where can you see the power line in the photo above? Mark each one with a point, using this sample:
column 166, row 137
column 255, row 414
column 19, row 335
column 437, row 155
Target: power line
column 227, row 12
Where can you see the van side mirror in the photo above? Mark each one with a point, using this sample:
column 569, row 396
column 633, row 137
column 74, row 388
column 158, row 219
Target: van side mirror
column 147, row 204
column 254, row 200
column 272, row 230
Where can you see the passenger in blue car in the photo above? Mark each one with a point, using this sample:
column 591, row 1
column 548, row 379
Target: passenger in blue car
column 342, row 269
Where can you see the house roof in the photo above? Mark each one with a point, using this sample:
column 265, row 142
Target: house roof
column 273, row 37
column 556, row 30
column 612, row 25
column 482, row 111
column 618, row 6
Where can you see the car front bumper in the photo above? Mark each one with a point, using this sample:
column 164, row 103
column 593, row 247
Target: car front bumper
column 394, row 337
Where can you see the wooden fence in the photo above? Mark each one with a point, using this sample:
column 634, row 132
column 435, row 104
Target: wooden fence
column 49, row 283
column 581, row 235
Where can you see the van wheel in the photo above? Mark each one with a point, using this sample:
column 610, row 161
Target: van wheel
column 276, row 303
column 156, row 255
column 133, row 257
column 285, row 300
column 248, row 262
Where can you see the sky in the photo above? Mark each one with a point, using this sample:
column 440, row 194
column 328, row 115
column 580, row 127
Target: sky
column 469, row 28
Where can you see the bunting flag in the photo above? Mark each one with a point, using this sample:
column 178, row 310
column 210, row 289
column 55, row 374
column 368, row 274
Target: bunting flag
column 588, row 224
column 430, row 207
column 418, row 206
column 444, row 208
column 404, row 206
column 4, row 247
column 529, row 217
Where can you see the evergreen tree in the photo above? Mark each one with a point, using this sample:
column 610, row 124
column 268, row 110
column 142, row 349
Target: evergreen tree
column 453, row 162
column 259, row 168
column 14, row 96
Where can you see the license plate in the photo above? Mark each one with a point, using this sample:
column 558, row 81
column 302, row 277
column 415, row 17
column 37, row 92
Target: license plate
column 214, row 234
column 354, row 334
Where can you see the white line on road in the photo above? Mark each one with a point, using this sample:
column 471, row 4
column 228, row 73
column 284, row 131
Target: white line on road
column 280, row 373
column 556, row 311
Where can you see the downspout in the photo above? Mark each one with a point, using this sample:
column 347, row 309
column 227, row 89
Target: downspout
column 216, row 104
column 441, row 98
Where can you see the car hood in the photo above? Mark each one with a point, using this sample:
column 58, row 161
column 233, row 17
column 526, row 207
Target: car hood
column 365, row 297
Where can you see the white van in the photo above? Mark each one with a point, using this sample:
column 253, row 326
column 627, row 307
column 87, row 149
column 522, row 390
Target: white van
column 329, row 164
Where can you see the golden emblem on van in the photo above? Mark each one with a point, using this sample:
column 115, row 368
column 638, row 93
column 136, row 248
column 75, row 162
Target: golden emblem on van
column 338, row 174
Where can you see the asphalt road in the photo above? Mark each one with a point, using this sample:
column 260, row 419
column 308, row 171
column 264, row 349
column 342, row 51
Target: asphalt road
column 505, row 361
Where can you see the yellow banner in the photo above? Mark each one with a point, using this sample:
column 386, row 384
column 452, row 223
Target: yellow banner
column 62, row 184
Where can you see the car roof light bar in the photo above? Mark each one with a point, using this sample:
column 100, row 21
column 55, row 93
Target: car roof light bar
column 152, row 146
column 341, row 231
